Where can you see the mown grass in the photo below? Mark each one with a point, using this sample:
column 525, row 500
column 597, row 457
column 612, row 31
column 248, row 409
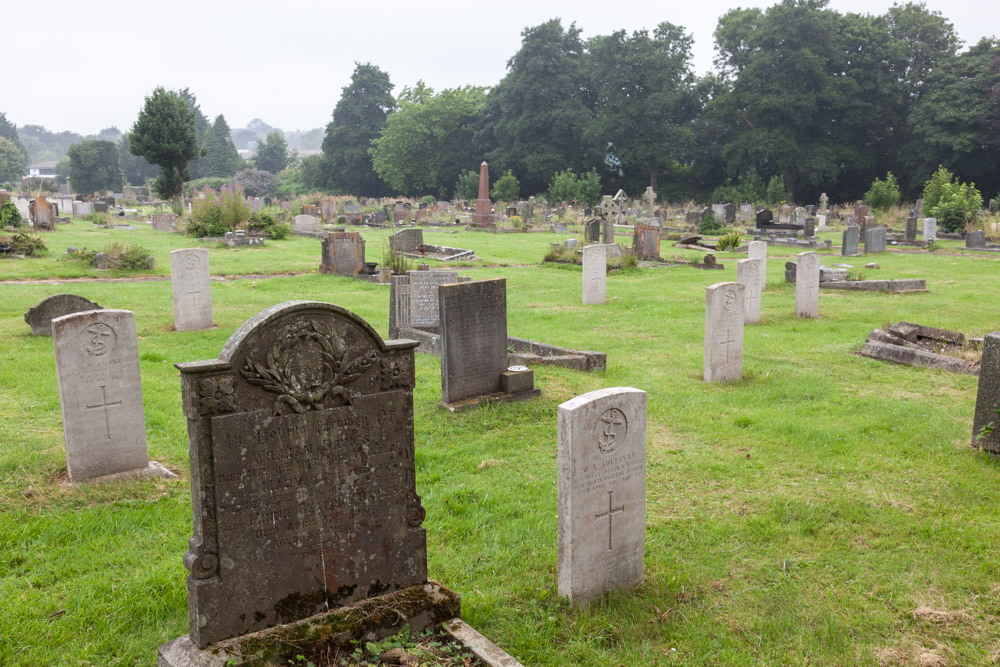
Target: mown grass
column 828, row 509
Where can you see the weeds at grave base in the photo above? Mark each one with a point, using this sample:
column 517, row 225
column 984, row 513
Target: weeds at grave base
column 428, row 649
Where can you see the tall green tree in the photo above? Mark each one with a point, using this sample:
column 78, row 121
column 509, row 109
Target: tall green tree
column 94, row 166
column 644, row 102
column 9, row 131
column 427, row 142
column 536, row 117
column 165, row 135
column 137, row 169
column 13, row 164
column 203, row 132
column 272, row 153
column 221, row 158
column 357, row 121
column 954, row 123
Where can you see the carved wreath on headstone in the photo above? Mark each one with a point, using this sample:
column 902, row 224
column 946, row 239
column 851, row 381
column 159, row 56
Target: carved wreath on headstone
column 307, row 389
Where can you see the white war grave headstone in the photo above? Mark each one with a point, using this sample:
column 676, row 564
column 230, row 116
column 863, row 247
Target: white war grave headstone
column 758, row 250
column 595, row 262
column 749, row 273
column 724, row 313
column 807, row 284
column 192, row 288
column 602, row 492
column 100, row 391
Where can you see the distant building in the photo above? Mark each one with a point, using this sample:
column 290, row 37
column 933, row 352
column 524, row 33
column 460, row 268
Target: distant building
column 42, row 170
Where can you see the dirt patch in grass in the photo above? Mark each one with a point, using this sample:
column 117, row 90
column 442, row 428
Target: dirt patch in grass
column 940, row 616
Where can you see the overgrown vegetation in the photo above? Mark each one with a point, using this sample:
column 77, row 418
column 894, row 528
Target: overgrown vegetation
column 116, row 255
column 9, row 215
column 729, row 241
column 215, row 213
column 883, row 194
column 23, row 243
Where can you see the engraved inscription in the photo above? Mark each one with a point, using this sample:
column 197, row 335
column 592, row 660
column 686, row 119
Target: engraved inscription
column 99, row 339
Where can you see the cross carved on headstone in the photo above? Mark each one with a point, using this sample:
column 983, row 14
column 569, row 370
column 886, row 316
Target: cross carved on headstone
column 610, row 513
column 729, row 341
column 104, row 404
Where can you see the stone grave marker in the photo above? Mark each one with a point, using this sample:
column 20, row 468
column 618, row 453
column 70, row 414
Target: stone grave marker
column 746, row 213
column 42, row 214
column 302, row 475
column 821, row 223
column 192, row 289
column 730, row 213
column 602, row 492
column 724, row 314
column 81, row 209
column 646, row 239
column 413, row 300
column 785, row 215
column 807, row 284
column 163, row 222
column 100, row 392
column 40, row 317
column 23, row 207
column 343, row 254
column 750, row 273
column 911, row 229
column 305, row 223
column 592, row 231
column 849, row 242
column 758, row 250
column 809, row 230
column 473, row 321
column 930, row 229
column 823, row 201
column 800, row 215
column 919, row 211
column 875, row 240
column 595, row 272
column 406, row 240
column 976, row 239
column 988, row 396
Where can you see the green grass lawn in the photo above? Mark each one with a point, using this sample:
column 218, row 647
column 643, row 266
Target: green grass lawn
column 826, row 510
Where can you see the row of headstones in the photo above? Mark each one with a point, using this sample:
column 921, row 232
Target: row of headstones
column 875, row 237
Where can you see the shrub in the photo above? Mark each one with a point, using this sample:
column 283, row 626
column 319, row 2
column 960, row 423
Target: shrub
column 569, row 187
column 120, row 256
column 267, row 225
column 726, row 193
column 728, row 241
column 97, row 218
column 9, row 215
column 958, row 206
column 467, row 186
column 288, row 182
column 253, row 182
column 776, row 191
column 628, row 260
column 395, row 261
column 709, row 225
column 883, row 195
column 429, row 199
column 28, row 245
column 934, row 186
column 506, row 188
column 216, row 214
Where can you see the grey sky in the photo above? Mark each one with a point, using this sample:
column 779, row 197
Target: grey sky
column 86, row 66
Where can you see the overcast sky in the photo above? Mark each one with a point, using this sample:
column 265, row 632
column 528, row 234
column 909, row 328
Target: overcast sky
column 87, row 65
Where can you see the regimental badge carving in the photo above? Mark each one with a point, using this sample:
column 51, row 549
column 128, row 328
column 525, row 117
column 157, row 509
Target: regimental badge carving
column 754, row 274
column 394, row 374
column 729, row 299
column 615, row 427
column 307, row 366
column 191, row 262
column 217, row 394
column 811, row 262
column 98, row 339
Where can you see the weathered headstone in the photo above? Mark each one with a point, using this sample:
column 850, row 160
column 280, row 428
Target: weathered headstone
column 988, row 397
column 343, row 254
column 976, row 239
column 474, row 342
column 730, row 213
column 807, row 284
column 97, row 365
column 823, row 201
column 42, row 214
column 82, row 209
column 602, row 492
column 413, row 300
column 192, row 289
column 750, row 274
column 595, row 263
column 305, row 223
column 810, row 228
column 40, row 317
column 23, row 207
column 302, row 473
column 724, row 314
column 592, row 231
column 911, row 229
column 163, row 222
column 646, row 239
column 746, row 213
column 785, row 215
column 406, row 240
column 849, row 242
column 764, row 217
column 758, row 250
column 919, row 210
column 649, row 201
column 800, row 215
column 930, row 229
column 875, row 240
column 821, row 223
column 483, row 217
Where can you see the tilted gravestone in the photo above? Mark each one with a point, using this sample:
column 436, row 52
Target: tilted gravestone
column 602, row 492
column 474, row 345
column 807, row 284
column 758, row 250
column 406, row 240
column 849, row 242
column 343, row 254
column 192, row 289
column 724, row 314
column 750, row 273
column 40, row 317
column 988, row 397
column 302, row 474
column 595, row 269
column 100, row 392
